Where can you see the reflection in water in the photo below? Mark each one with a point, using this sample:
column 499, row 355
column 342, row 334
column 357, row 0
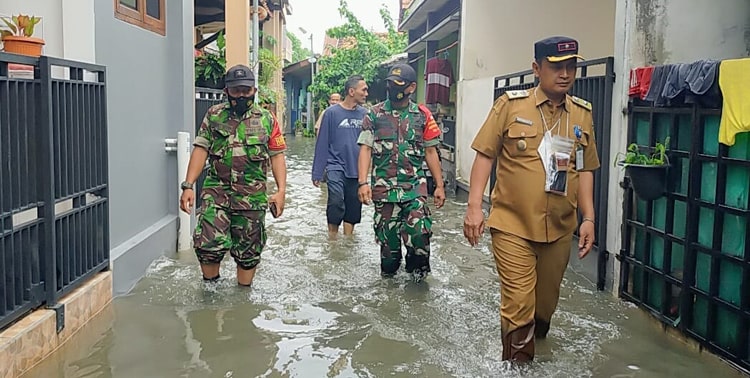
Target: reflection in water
column 319, row 308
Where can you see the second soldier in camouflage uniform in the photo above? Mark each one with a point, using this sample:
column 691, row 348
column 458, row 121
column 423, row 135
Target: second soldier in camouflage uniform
column 397, row 137
column 239, row 139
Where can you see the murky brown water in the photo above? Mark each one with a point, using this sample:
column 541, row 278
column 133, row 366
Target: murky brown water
column 319, row 308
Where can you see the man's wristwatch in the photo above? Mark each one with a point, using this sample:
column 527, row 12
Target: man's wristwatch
column 186, row 185
column 361, row 184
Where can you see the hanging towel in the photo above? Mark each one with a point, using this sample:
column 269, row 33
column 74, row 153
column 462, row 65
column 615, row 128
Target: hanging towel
column 675, row 85
column 734, row 81
column 703, row 82
column 439, row 78
column 640, row 81
column 658, row 81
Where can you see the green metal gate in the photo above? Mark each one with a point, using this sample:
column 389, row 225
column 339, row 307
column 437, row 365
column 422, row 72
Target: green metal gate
column 685, row 257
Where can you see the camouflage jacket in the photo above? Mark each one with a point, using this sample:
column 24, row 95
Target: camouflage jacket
column 239, row 150
column 398, row 139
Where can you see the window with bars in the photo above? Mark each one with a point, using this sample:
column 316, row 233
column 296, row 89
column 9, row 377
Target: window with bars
column 147, row 14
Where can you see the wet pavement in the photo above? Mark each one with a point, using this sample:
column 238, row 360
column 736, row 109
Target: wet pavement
column 319, row 308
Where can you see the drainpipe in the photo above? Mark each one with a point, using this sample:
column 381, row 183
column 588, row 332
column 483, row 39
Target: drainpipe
column 181, row 145
column 256, row 43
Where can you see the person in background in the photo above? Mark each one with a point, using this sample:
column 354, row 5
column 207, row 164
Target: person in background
column 333, row 99
column 336, row 154
column 397, row 136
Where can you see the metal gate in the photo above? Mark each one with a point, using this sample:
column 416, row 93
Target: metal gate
column 54, row 192
column 205, row 98
column 686, row 256
column 596, row 89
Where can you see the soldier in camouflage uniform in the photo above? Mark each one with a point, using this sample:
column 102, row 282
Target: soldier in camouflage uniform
column 397, row 137
column 240, row 140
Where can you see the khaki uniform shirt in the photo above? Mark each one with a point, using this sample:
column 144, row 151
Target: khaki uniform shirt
column 512, row 133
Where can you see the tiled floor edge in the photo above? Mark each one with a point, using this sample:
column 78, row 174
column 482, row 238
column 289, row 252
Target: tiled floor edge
column 93, row 307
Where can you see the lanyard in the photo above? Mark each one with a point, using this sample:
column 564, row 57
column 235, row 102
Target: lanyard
column 557, row 123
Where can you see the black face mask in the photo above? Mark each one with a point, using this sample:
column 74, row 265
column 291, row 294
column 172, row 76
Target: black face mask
column 240, row 105
column 396, row 93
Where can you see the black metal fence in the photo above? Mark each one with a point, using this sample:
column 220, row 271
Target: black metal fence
column 686, row 256
column 54, row 210
column 597, row 89
column 205, row 98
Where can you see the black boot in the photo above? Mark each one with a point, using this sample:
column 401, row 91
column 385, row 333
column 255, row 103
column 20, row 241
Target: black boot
column 541, row 328
column 390, row 261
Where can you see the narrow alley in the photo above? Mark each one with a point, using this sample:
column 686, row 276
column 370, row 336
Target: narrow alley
column 319, row 308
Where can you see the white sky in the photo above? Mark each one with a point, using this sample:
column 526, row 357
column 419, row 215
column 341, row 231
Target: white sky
column 317, row 16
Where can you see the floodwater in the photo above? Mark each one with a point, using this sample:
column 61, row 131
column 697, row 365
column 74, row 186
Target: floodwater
column 319, row 308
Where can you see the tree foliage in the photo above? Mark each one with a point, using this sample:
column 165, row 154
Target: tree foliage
column 299, row 53
column 362, row 57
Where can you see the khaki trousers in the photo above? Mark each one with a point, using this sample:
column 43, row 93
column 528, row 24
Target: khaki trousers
column 530, row 277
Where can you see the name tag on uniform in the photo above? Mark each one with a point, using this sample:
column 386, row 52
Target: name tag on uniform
column 579, row 158
column 524, row 121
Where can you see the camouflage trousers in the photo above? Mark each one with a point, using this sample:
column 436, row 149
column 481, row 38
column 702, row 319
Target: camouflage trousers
column 241, row 232
column 408, row 221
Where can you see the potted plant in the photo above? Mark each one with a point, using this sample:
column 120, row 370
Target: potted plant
column 17, row 35
column 211, row 67
column 647, row 172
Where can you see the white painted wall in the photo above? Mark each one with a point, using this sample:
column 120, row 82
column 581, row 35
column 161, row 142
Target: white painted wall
column 67, row 25
column 497, row 37
column 474, row 100
column 650, row 32
column 682, row 31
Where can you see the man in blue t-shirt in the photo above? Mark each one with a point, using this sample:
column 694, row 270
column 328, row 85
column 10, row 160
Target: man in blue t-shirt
column 336, row 154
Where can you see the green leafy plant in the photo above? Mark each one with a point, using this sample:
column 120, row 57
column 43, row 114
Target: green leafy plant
column 211, row 67
column 299, row 53
column 364, row 53
column 19, row 26
column 270, row 65
column 308, row 133
column 634, row 156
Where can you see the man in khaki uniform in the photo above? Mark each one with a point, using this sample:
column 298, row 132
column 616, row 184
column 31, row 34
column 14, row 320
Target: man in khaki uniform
column 533, row 213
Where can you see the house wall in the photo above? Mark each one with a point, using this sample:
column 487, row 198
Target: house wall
column 661, row 32
column 421, row 91
column 497, row 37
column 64, row 37
column 149, row 97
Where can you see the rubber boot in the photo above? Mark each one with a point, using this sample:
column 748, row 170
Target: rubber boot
column 518, row 345
column 390, row 261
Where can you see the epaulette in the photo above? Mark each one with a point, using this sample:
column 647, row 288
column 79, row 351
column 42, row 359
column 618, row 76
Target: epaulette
column 522, row 93
column 581, row 102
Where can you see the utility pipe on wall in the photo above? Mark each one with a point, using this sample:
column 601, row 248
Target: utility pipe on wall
column 184, row 229
column 181, row 145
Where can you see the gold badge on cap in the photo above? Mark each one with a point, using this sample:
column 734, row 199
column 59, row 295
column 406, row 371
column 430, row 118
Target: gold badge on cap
column 521, row 145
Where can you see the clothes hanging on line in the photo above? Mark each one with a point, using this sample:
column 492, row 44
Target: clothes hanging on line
column 439, row 79
column 734, row 82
